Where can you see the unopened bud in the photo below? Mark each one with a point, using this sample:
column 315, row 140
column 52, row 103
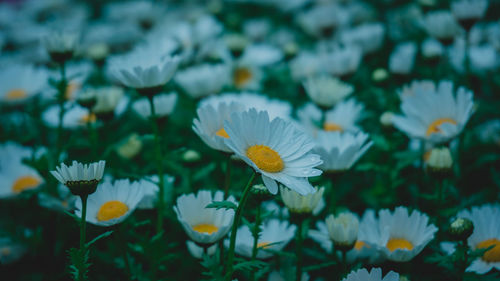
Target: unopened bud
column 461, row 229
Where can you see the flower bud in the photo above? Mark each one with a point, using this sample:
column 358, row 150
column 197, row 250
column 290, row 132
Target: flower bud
column 343, row 230
column 301, row 204
column 130, row 147
column 461, row 229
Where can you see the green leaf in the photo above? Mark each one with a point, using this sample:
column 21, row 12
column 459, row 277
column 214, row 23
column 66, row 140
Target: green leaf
column 250, row 265
column 222, row 205
column 103, row 235
column 319, row 266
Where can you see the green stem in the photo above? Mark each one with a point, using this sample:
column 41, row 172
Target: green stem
column 298, row 248
column 63, row 84
column 83, row 224
column 227, row 181
column 255, row 234
column 466, row 257
column 159, row 166
column 92, row 136
column 234, row 229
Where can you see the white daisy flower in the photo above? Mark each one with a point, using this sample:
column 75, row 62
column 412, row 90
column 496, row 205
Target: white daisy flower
column 11, row 251
column 322, row 20
column 20, row 82
column 305, row 65
column 108, row 100
column 75, row 116
column 11, row 152
column 61, row 44
column 275, row 235
column 197, row 251
column 468, row 12
column 342, row 61
column 247, row 76
column 441, row 25
column 151, row 188
column 339, row 151
column 368, row 36
column 326, row 91
column 401, row 236
column 486, row 234
column 204, row 225
column 112, row 203
column 261, row 55
column 343, row 229
column 203, row 80
column 374, row 275
column 435, row 115
column 16, row 178
column 78, row 172
column 164, row 105
column 297, row 203
column 143, row 68
column 402, row 58
column 210, row 125
column 431, row 48
column 274, row 149
column 76, row 73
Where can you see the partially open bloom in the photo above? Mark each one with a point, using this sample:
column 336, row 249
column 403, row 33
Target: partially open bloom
column 275, row 235
column 343, row 229
column 204, row 225
column 339, row 151
column 326, row 91
column 401, row 236
column 164, row 104
column 81, row 179
column 297, row 203
column 374, row 275
column 112, row 203
column 468, row 12
column 441, row 25
column 202, row 80
column 440, row 159
column 61, row 45
column 19, row 83
column 434, row 113
column 275, row 149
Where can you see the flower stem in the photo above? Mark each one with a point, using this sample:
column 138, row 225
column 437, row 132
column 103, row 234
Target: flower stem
column 227, row 181
column 83, row 224
column 234, row 229
column 92, row 136
column 255, row 234
column 61, row 87
column 466, row 257
column 159, row 166
column 298, row 248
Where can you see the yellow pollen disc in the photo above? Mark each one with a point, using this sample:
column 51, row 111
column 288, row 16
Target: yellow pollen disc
column 205, row 228
column 434, row 126
column 5, row 251
column 263, row 245
column 427, row 155
column 88, row 118
column 24, row 183
column 222, row 133
column 359, row 245
column 241, row 76
column 399, row 243
column 111, row 210
column 265, row 158
column 493, row 254
column 71, row 89
column 332, row 127
column 15, row 94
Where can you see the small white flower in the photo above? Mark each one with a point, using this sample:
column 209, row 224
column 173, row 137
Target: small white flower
column 143, row 68
column 275, row 235
column 16, row 178
column 322, row 19
column 18, row 83
column 326, row 90
column 305, row 65
column 112, row 203
column 261, row 55
column 339, row 151
column 61, row 42
column 203, row 80
column 374, row 275
column 79, row 172
column 440, row 158
column 469, row 9
column 210, row 125
column 274, row 149
column 297, row 203
column 75, row 116
column 441, row 25
column 164, row 104
column 197, row 251
column 343, row 229
column 401, row 236
column 434, row 113
column 342, row 61
column 368, row 36
column 432, row 48
column 402, row 58
column 204, row 225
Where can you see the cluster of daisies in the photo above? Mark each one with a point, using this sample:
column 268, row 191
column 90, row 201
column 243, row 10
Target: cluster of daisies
column 71, row 70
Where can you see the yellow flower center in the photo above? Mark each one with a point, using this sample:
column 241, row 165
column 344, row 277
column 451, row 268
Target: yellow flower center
column 241, row 76
column 263, row 245
column 24, row 183
column 434, row 126
column 493, row 254
column 222, row 133
column 16, row 94
column 88, row 118
column 205, row 228
column 265, row 158
column 111, row 210
column 399, row 243
column 71, row 89
column 5, row 251
column 359, row 245
column 332, row 127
